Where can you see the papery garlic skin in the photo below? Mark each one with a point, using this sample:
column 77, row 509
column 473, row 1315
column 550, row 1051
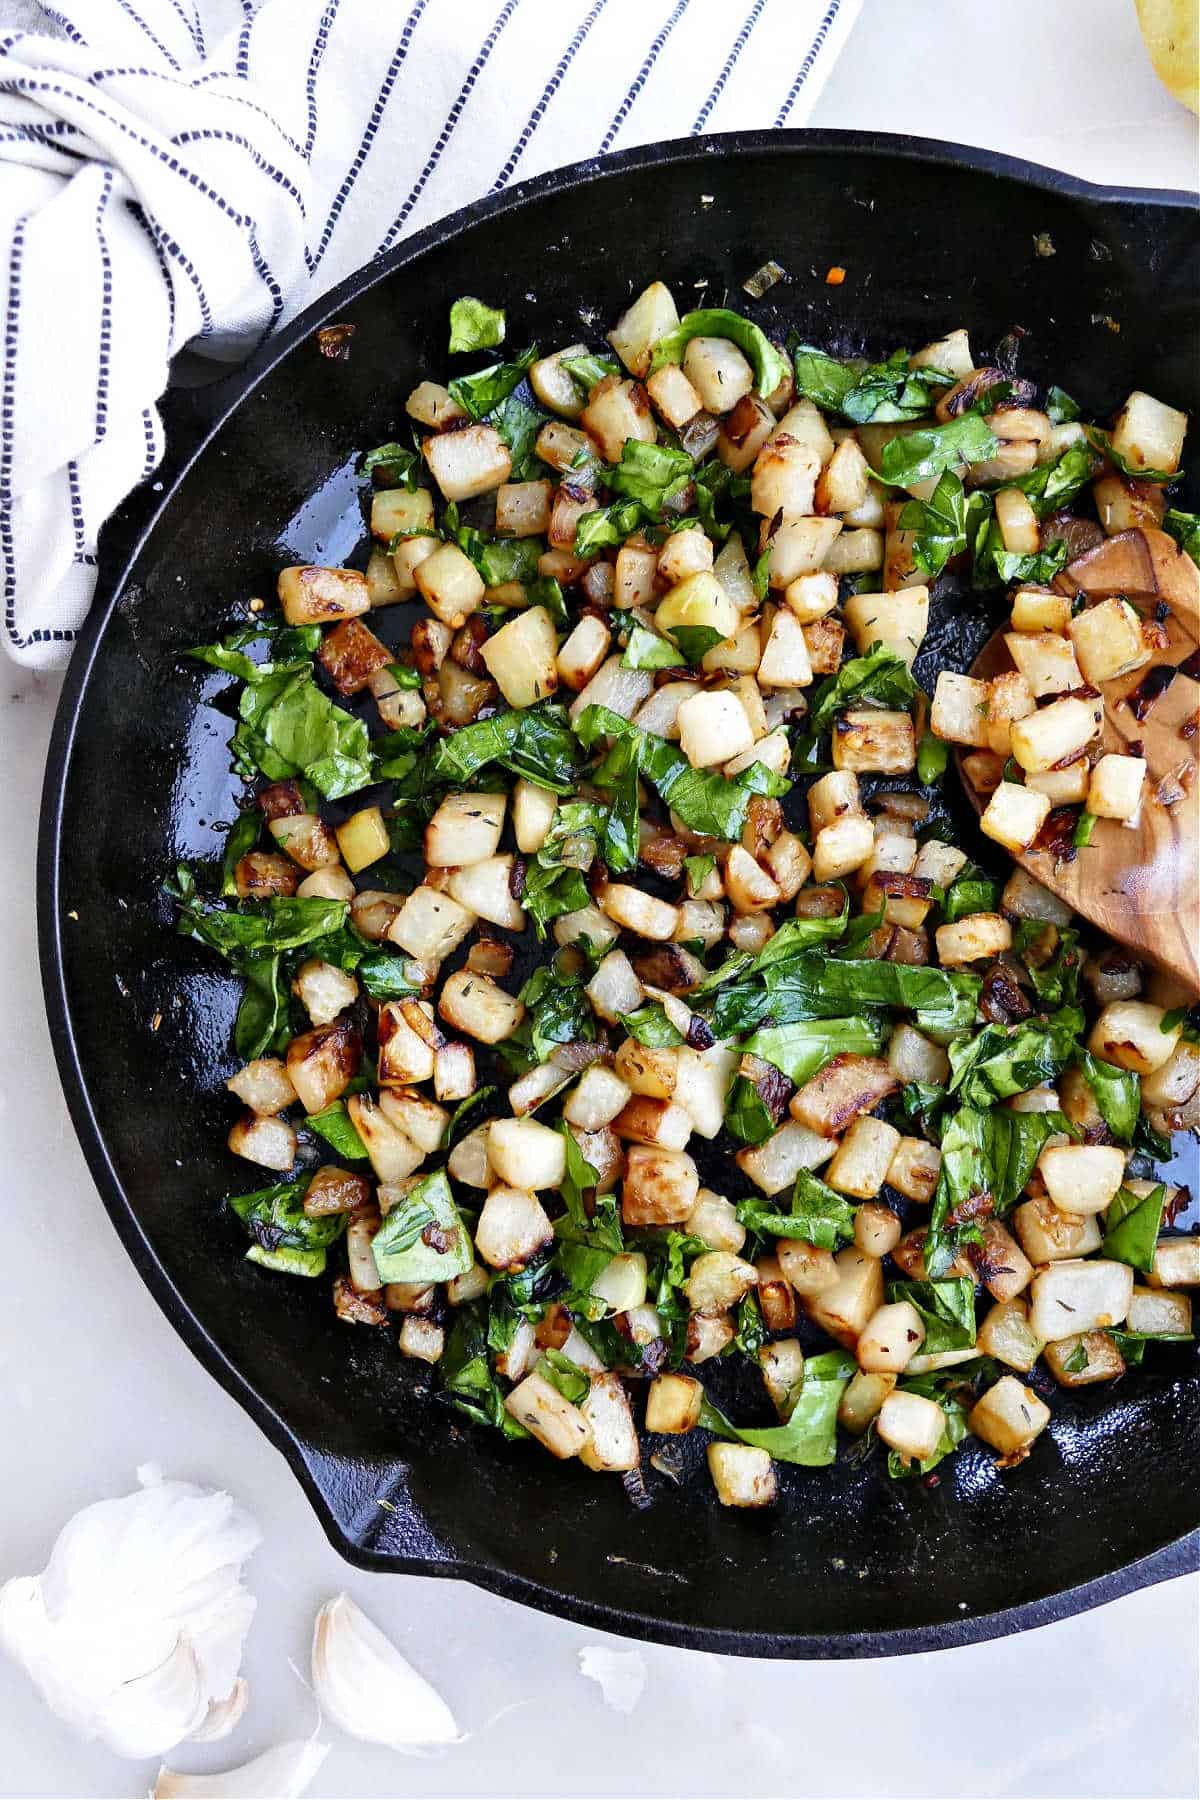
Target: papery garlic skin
column 366, row 1686
column 138, row 1620
column 281, row 1773
column 619, row 1674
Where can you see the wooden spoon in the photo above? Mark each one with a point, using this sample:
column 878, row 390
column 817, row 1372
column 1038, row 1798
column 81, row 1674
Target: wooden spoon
column 1140, row 884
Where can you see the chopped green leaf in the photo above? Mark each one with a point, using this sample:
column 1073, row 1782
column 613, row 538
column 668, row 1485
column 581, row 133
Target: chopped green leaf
column 555, row 886
column 947, row 1310
column 984, row 1154
column 1117, row 1093
column 585, row 1247
column 750, row 1333
column 291, row 646
column 519, row 424
column 564, row 1375
column 244, row 834
column 769, row 367
column 276, row 1221
column 696, row 641
column 791, row 940
column 970, row 893
column 497, row 560
column 481, row 393
column 1002, row 1060
column 398, row 465
column 1184, row 527
column 557, row 1012
column 651, row 474
column 939, row 522
column 1055, row 978
column 475, row 326
column 533, row 741
column 698, row 869
column 281, row 923
column 1102, row 441
column 760, row 574
column 1132, row 1344
column 1131, row 1227
column 880, row 677
column 262, row 1023
column 809, row 1438
column 545, row 591
column 1150, row 1145
column 455, row 1122
column 466, row 1372
column 651, row 1026
column 925, row 454
column 1050, row 486
column 287, row 1261
column 1060, row 408
column 706, row 801
column 390, row 975
column 423, row 1237
column 747, row 1115
column 809, row 986
column 818, row 1215
column 646, row 650
column 802, row 1050
column 994, row 564
column 580, row 1177
column 551, row 891
column 516, row 559
column 335, row 1125
column 607, row 526
column 922, row 1103
column 289, row 727
column 713, row 481
column 880, row 392
column 587, row 371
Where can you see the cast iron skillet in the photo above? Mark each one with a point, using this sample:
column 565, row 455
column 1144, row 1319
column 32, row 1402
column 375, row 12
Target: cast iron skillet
column 261, row 471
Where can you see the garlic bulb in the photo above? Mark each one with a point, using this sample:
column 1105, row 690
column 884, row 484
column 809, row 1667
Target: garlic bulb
column 222, row 1715
column 278, row 1774
column 364, row 1684
column 138, row 1620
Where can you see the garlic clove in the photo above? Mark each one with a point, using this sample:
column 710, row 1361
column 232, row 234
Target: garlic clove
column 64, row 1681
column 222, row 1715
column 619, row 1674
column 156, row 1709
column 367, row 1688
column 280, row 1773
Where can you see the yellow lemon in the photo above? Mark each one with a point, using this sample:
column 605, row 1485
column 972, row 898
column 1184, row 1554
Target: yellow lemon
column 1171, row 30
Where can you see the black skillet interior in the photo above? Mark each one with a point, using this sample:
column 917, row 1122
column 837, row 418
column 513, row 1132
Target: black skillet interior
column 1104, row 289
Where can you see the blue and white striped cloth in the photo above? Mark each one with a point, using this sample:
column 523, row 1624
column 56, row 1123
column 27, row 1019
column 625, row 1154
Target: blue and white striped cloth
column 193, row 172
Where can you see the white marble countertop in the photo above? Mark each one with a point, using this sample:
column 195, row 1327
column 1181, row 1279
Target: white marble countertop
column 93, row 1381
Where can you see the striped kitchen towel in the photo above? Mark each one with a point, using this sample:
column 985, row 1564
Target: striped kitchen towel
column 194, row 172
